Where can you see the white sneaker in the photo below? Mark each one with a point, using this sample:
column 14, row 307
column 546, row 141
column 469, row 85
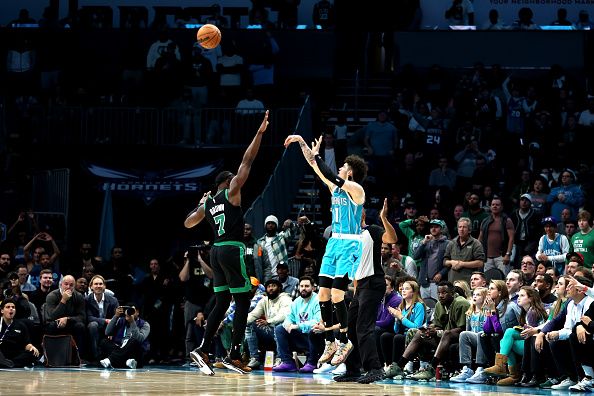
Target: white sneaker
column 340, row 369
column 409, row 367
column 253, row 363
column 106, row 363
column 131, row 363
column 324, row 368
column 479, row 377
column 585, row 385
column 565, row 384
column 465, row 374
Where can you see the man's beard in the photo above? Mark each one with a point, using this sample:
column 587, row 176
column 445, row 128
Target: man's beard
column 305, row 294
column 272, row 296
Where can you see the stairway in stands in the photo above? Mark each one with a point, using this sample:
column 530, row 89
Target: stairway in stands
column 360, row 103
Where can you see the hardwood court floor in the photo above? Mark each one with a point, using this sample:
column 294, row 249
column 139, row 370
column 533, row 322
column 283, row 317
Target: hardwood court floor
column 188, row 381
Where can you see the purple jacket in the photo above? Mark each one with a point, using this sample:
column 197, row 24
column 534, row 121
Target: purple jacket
column 385, row 320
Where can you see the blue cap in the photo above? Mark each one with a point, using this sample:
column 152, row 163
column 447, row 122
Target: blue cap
column 549, row 220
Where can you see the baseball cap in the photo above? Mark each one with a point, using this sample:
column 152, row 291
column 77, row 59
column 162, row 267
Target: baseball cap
column 12, row 275
column 578, row 257
column 437, row 222
column 527, row 196
column 282, row 264
column 549, row 220
column 410, row 204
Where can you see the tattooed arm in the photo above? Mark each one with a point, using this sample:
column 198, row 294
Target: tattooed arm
column 309, row 154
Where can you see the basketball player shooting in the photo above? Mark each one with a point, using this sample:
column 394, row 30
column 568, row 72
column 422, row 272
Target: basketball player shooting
column 223, row 212
column 344, row 248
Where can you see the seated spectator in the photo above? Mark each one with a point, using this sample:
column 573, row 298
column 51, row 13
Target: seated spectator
column 477, row 279
column 544, row 286
column 65, row 311
column 461, row 12
column 567, row 195
column 514, row 282
column 385, row 320
column 561, row 18
column 249, row 105
column 410, row 314
column 524, row 21
column 127, row 341
column 583, row 22
column 463, row 289
column 82, row 286
column 528, row 268
column 100, row 308
column 475, row 319
column 158, row 48
column 533, row 314
column 270, row 311
column 46, row 285
column 23, row 275
column 296, row 331
column 16, row 349
column 400, row 263
column 215, row 17
column 290, row 283
column 323, row 14
column 449, row 320
column 494, row 23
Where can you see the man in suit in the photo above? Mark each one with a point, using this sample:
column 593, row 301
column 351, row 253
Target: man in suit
column 100, row 308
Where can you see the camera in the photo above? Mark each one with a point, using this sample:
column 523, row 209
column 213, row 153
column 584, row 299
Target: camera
column 128, row 310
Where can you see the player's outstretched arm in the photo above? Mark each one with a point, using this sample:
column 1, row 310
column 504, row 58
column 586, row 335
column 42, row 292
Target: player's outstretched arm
column 246, row 164
column 197, row 215
column 309, row 156
column 389, row 235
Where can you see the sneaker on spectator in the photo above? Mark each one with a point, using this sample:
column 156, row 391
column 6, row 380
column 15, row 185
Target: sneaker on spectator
column 219, row 365
column 324, row 368
column 340, row 369
column 236, row 365
column 253, row 363
column 563, row 385
column 478, row 377
column 424, row 374
column 464, row 375
column 344, row 350
column 106, row 363
column 285, row 367
column 308, row 368
column 372, row 376
column 585, row 385
column 201, row 359
column 329, row 351
column 549, row 383
column 349, row 376
column 131, row 363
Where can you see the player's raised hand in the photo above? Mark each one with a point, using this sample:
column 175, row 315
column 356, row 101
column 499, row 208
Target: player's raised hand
column 264, row 124
column 315, row 146
column 292, row 139
column 384, row 211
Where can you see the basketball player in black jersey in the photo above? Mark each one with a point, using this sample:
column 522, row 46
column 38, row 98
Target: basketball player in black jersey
column 223, row 212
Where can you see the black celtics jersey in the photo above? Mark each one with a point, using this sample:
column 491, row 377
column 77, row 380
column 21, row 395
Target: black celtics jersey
column 225, row 219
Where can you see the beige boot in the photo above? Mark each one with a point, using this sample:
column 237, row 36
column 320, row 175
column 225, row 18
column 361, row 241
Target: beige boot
column 499, row 369
column 514, row 376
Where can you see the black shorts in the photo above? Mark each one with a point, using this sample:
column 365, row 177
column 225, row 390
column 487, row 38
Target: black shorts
column 228, row 266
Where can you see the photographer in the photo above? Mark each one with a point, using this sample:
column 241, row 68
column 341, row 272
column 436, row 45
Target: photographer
column 196, row 276
column 129, row 339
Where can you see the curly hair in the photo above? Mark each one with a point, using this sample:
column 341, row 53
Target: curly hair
column 358, row 167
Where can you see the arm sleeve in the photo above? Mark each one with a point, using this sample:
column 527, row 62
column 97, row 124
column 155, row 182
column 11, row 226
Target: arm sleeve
column 327, row 172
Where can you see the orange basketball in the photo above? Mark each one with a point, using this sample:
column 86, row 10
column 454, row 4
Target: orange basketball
column 209, row 36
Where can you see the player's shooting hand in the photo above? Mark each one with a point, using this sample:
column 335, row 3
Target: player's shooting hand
column 292, row 139
column 384, row 211
column 315, row 146
column 264, row 124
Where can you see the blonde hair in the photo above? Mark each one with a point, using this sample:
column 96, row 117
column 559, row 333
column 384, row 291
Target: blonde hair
column 483, row 291
column 462, row 284
column 416, row 296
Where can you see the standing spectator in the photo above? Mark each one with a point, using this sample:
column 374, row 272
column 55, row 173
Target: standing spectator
column 430, row 254
column 297, row 330
column 552, row 246
column 65, row 311
column 464, row 253
column 566, row 195
column 583, row 22
column 269, row 312
column 287, row 13
column 381, row 140
column 475, row 213
column 251, row 248
column 402, row 262
column 497, row 237
column 215, row 17
column 443, row 176
column 262, row 66
column 461, row 12
column 539, row 194
column 272, row 247
column 414, row 230
column 158, row 47
column 196, row 277
column 561, row 18
column 100, row 308
column 230, row 68
column 527, row 223
column 323, row 14
column 583, row 241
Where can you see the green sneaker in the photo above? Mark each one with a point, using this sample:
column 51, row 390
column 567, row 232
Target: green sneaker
column 393, row 370
column 549, row 383
column 424, row 374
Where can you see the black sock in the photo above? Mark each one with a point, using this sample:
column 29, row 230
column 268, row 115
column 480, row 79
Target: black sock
column 242, row 307
column 342, row 337
column 402, row 362
column 343, row 318
column 326, row 312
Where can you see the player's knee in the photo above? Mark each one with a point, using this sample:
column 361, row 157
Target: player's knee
column 337, row 296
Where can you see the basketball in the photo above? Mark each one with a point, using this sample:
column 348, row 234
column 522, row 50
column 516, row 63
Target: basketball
column 209, row 36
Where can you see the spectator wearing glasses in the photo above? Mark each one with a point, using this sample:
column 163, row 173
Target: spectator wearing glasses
column 528, row 268
column 552, row 246
column 566, row 195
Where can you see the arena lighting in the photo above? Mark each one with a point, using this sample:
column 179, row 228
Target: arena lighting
column 254, row 27
column 462, row 27
column 301, row 27
column 193, row 25
column 556, row 27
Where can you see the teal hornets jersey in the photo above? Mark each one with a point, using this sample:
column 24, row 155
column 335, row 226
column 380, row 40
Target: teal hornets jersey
column 346, row 214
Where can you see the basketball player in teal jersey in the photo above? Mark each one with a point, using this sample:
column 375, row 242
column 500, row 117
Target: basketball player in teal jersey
column 223, row 212
column 344, row 249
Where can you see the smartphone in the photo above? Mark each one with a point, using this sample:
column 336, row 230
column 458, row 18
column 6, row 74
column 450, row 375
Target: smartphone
column 519, row 328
